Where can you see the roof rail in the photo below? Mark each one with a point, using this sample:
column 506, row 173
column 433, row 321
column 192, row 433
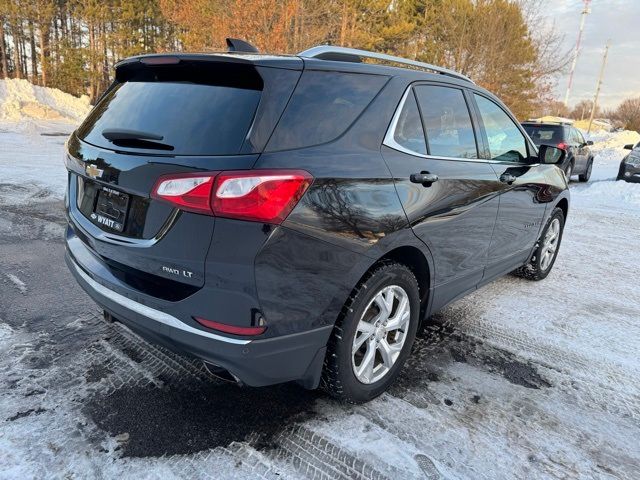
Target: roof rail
column 329, row 52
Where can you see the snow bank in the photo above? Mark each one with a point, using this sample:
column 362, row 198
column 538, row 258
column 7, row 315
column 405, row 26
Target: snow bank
column 20, row 100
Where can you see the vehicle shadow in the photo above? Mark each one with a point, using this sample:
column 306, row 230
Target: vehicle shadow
column 188, row 416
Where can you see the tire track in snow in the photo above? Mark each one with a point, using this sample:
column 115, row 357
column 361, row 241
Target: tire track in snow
column 19, row 284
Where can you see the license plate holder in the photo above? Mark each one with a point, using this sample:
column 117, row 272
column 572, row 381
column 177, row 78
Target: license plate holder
column 111, row 209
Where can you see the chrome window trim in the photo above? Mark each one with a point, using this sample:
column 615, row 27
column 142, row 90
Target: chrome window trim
column 389, row 138
column 149, row 312
column 389, row 141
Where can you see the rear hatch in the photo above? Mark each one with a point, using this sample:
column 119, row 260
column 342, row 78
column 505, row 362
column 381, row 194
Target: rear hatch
column 166, row 115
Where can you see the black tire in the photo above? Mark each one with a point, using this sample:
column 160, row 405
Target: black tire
column 584, row 177
column 569, row 171
column 533, row 270
column 338, row 377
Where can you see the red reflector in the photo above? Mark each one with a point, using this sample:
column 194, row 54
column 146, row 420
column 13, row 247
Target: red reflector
column 259, row 195
column 221, row 327
column 191, row 191
column 162, row 60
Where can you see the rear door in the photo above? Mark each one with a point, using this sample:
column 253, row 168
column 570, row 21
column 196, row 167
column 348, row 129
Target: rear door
column 582, row 152
column 448, row 194
column 523, row 187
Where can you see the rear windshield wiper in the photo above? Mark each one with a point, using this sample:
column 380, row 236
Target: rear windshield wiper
column 135, row 139
column 124, row 134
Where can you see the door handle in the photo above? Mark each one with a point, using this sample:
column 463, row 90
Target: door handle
column 423, row 177
column 507, row 178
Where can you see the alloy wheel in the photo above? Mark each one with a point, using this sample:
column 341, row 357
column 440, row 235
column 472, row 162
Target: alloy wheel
column 550, row 244
column 381, row 334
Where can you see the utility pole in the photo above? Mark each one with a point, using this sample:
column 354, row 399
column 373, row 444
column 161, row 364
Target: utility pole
column 576, row 52
column 595, row 99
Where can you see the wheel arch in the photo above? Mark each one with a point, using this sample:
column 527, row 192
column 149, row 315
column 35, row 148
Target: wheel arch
column 563, row 204
column 415, row 259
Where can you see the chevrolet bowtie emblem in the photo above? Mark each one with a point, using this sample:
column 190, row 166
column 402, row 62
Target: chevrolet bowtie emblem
column 93, row 171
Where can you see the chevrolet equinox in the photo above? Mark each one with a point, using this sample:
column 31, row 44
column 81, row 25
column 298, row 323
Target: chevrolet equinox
column 296, row 218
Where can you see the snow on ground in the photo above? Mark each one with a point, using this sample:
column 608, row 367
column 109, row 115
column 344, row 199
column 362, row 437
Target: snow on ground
column 518, row 380
column 603, row 191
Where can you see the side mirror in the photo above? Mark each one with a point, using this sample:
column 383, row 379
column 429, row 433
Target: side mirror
column 589, row 142
column 550, row 155
column 629, row 146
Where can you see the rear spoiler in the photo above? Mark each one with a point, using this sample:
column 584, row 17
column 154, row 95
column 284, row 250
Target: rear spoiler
column 275, row 61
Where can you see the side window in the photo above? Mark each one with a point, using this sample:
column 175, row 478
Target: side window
column 322, row 107
column 579, row 137
column 506, row 142
column 447, row 122
column 409, row 132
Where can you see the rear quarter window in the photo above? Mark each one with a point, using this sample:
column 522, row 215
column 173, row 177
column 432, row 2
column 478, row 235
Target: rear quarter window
column 323, row 107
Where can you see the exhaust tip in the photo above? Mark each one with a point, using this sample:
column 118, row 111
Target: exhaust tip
column 221, row 373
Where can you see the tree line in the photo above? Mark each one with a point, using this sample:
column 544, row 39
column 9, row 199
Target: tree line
column 626, row 115
column 504, row 45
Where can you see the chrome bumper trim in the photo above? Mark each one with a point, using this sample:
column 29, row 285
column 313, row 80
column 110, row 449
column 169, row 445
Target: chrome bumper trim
column 151, row 313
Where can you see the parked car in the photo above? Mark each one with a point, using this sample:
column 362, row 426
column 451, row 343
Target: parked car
column 630, row 165
column 578, row 160
column 296, row 218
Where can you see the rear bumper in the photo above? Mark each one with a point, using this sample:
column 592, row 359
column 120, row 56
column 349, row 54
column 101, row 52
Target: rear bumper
column 255, row 362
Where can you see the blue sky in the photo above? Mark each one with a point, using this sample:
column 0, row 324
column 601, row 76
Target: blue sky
column 618, row 20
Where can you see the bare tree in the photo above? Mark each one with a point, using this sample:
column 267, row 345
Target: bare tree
column 628, row 114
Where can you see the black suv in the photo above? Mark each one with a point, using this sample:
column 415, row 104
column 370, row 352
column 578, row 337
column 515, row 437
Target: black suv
column 578, row 159
column 630, row 166
column 296, row 218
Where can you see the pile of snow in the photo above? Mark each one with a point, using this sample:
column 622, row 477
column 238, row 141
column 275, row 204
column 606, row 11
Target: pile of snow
column 598, row 125
column 21, row 100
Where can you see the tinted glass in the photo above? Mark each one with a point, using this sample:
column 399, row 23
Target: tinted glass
column 544, row 134
column 323, row 107
column 447, row 122
column 192, row 119
column 409, row 133
column 506, row 142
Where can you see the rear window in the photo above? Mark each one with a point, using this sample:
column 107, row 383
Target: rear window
column 323, row 107
column 547, row 134
column 178, row 114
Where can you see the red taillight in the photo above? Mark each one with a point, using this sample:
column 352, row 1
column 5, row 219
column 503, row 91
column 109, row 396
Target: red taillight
column 256, row 195
column 222, row 327
column 563, row 146
column 191, row 192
